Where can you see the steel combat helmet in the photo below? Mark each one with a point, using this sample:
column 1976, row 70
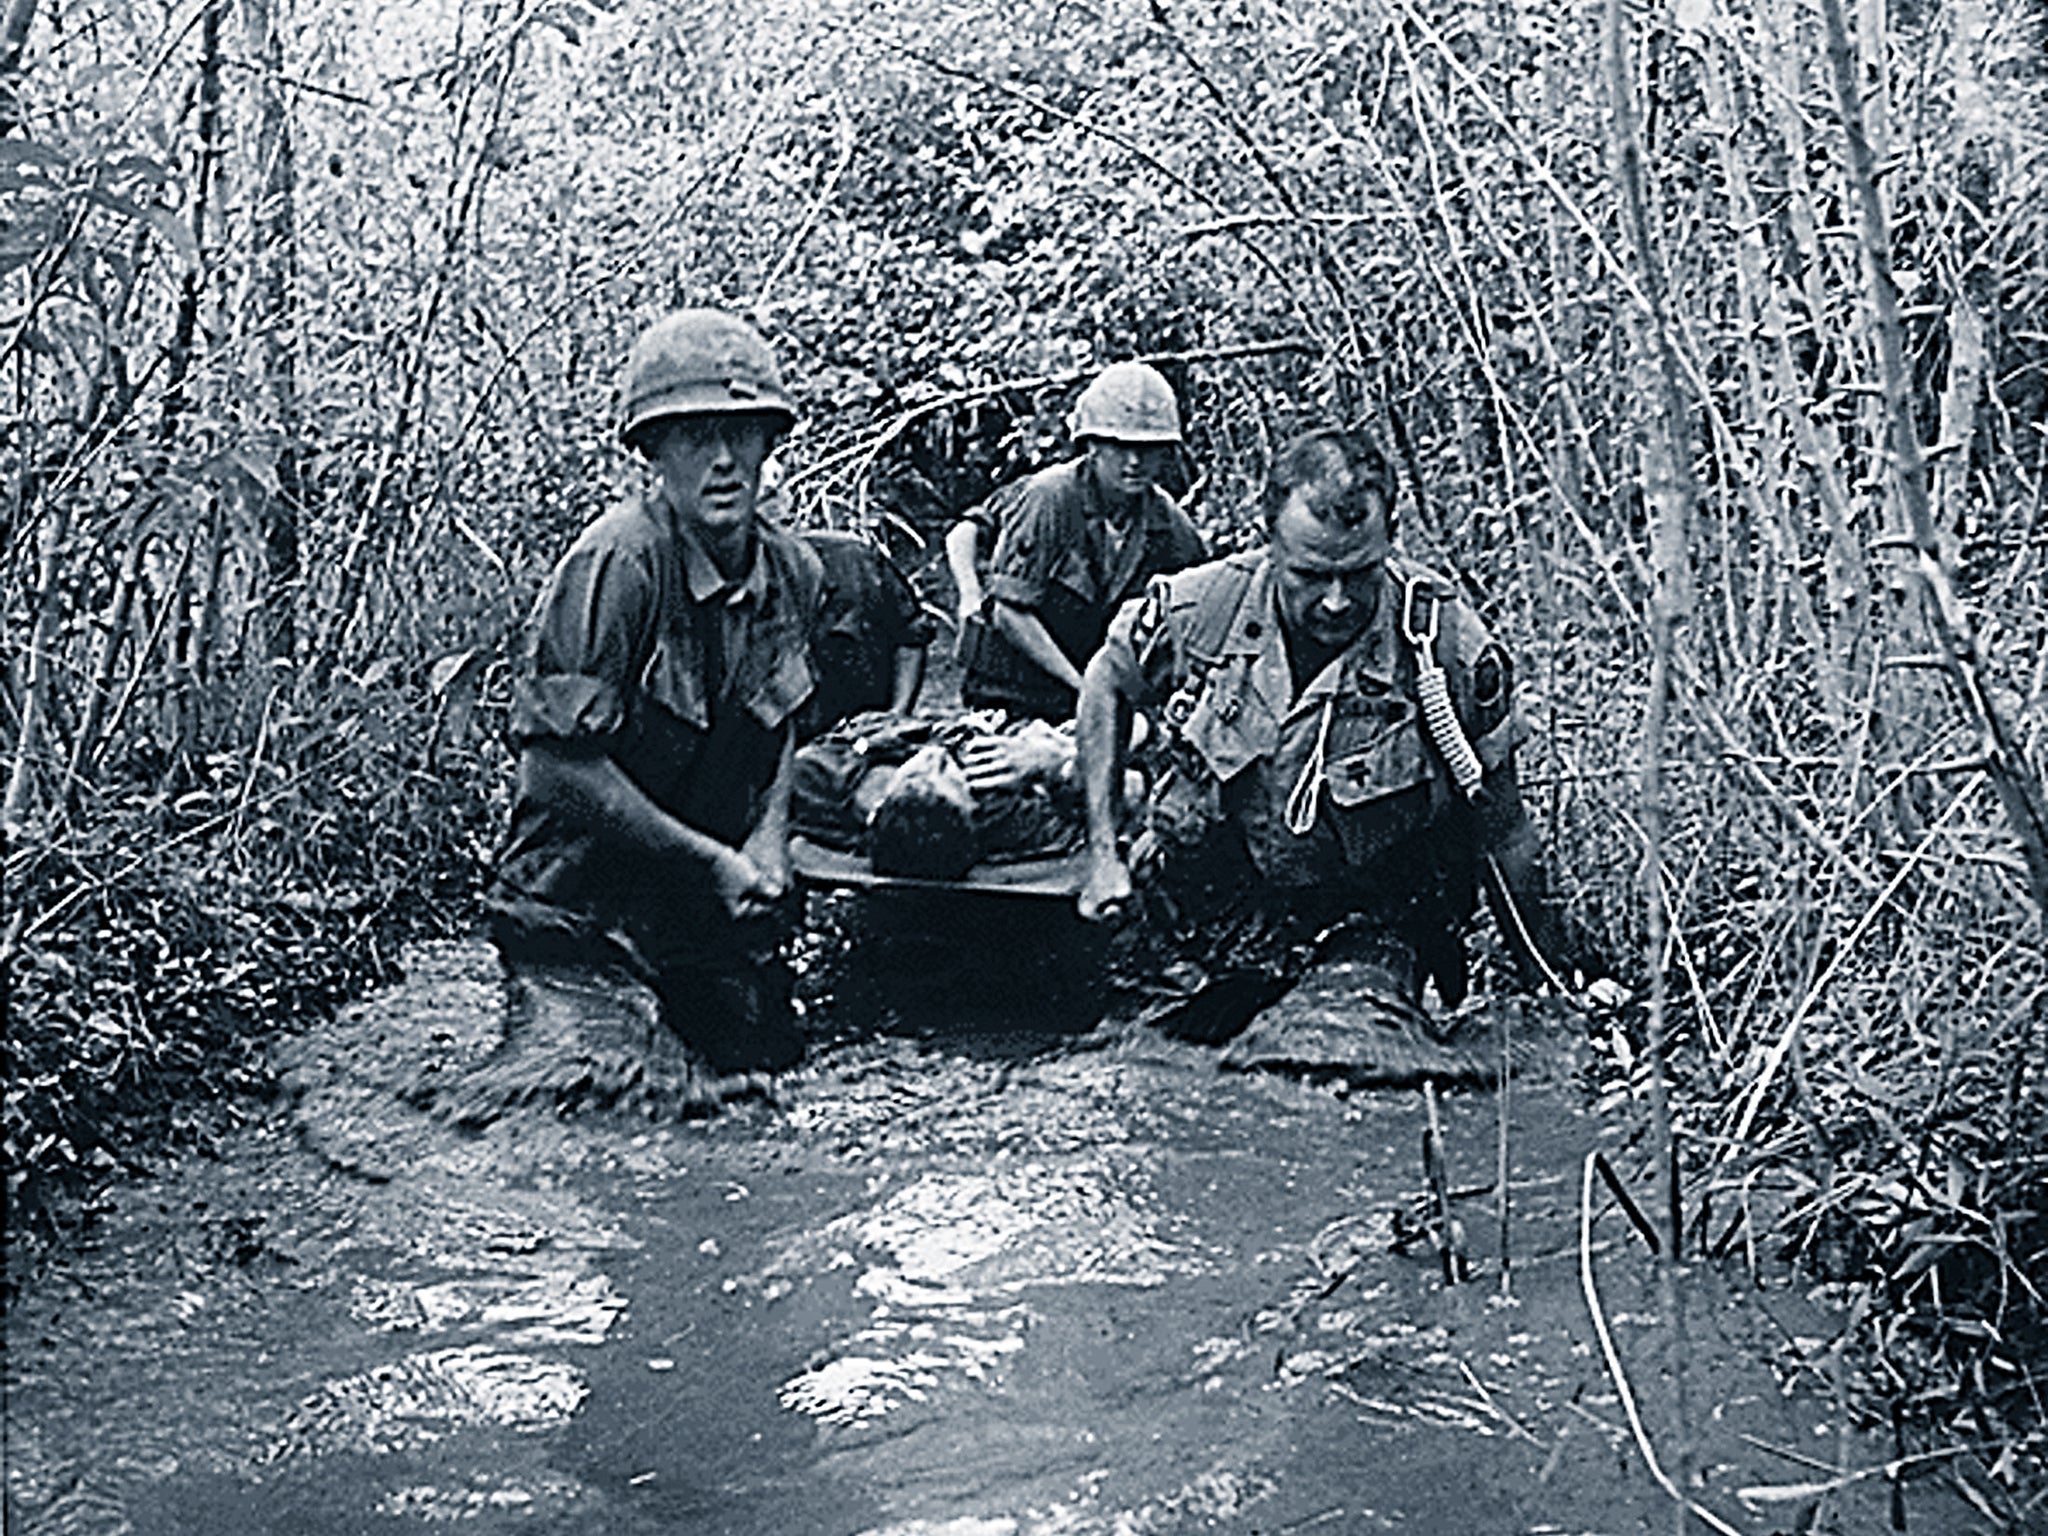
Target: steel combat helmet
column 700, row 362
column 1127, row 403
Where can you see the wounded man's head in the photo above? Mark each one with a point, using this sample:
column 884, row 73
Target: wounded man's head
column 924, row 826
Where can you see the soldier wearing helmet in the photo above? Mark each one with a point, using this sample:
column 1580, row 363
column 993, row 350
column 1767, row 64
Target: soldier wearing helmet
column 654, row 714
column 1079, row 539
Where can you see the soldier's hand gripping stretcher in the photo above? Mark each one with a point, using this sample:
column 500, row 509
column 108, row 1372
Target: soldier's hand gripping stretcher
column 759, row 877
column 1106, row 730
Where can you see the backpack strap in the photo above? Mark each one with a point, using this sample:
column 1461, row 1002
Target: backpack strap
column 1212, row 614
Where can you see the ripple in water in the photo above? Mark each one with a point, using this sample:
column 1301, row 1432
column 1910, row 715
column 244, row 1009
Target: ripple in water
column 951, row 1243
column 408, row 1403
column 554, row 1308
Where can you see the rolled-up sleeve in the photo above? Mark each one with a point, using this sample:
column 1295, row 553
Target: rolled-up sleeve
column 989, row 516
column 591, row 637
column 1027, row 552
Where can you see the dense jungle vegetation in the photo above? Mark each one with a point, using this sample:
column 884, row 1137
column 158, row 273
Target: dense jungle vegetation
column 1713, row 338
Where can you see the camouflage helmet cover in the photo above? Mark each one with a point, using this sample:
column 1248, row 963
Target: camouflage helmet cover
column 699, row 362
column 1127, row 403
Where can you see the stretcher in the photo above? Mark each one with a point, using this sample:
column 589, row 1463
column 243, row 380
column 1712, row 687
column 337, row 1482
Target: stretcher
column 1059, row 876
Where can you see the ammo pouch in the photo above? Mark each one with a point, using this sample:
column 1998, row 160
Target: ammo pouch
column 972, row 643
column 994, row 674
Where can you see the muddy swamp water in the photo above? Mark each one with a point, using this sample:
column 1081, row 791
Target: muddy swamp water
column 972, row 1271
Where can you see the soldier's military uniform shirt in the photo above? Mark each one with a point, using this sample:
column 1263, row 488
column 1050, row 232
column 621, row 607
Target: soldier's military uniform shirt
column 645, row 652
column 1059, row 559
column 868, row 613
column 1324, row 785
column 989, row 514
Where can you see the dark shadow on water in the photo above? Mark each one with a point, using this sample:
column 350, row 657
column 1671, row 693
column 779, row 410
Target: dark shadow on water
column 916, row 963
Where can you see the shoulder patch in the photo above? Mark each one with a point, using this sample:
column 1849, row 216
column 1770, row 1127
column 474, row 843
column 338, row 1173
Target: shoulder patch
column 1490, row 681
column 1490, row 678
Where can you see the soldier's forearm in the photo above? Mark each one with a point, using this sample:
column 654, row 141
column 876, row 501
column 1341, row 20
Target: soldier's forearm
column 1028, row 633
column 773, row 823
column 908, row 679
column 1545, row 944
column 1102, row 736
column 1518, row 887
column 595, row 794
column 963, row 548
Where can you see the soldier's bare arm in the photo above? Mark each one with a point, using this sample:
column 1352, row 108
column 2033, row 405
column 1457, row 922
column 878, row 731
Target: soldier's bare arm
column 906, row 679
column 1102, row 737
column 963, row 553
column 1025, row 630
column 593, row 793
column 1540, row 940
column 767, row 846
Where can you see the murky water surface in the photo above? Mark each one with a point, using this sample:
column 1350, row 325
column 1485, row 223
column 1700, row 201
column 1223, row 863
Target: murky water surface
column 955, row 1283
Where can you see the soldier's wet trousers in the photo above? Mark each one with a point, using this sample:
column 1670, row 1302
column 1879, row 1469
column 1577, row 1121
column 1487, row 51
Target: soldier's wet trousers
column 729, row 1000
column 1215, row 945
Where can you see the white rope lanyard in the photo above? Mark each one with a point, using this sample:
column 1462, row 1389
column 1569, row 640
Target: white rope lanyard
column 1432, row 692
column 1306, row 795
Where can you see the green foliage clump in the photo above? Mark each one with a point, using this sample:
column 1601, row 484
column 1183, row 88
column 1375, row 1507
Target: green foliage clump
column 159, row 953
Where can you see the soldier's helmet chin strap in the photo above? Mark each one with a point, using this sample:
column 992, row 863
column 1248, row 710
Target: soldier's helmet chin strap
column 1432, row 689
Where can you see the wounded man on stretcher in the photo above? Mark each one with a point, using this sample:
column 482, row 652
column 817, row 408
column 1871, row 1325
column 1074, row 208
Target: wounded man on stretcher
column 930, row 799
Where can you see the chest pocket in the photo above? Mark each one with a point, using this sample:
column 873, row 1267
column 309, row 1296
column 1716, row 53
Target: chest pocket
column 774, row 679
column 773, row 691
column 1375, row 751
column 1232, row 725
column 1073, row 572
column 674, row 679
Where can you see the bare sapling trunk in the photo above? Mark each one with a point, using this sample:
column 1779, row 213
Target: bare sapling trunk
column 198, row 660
column 99, row 726
column 276, row 324
column 15, row 20
column 192, row 288
column 1668, row 487
column 135, row 540
column 1774, row 394
column 2025, row 804
column 1966, row 365
column 35, row 703
column 464, row 192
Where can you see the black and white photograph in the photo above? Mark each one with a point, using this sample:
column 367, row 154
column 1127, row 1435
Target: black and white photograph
column 1068, row 768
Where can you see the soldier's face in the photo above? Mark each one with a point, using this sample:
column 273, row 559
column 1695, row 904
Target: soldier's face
column 710, row 468
column 1124, row 472
column 1329, row 579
